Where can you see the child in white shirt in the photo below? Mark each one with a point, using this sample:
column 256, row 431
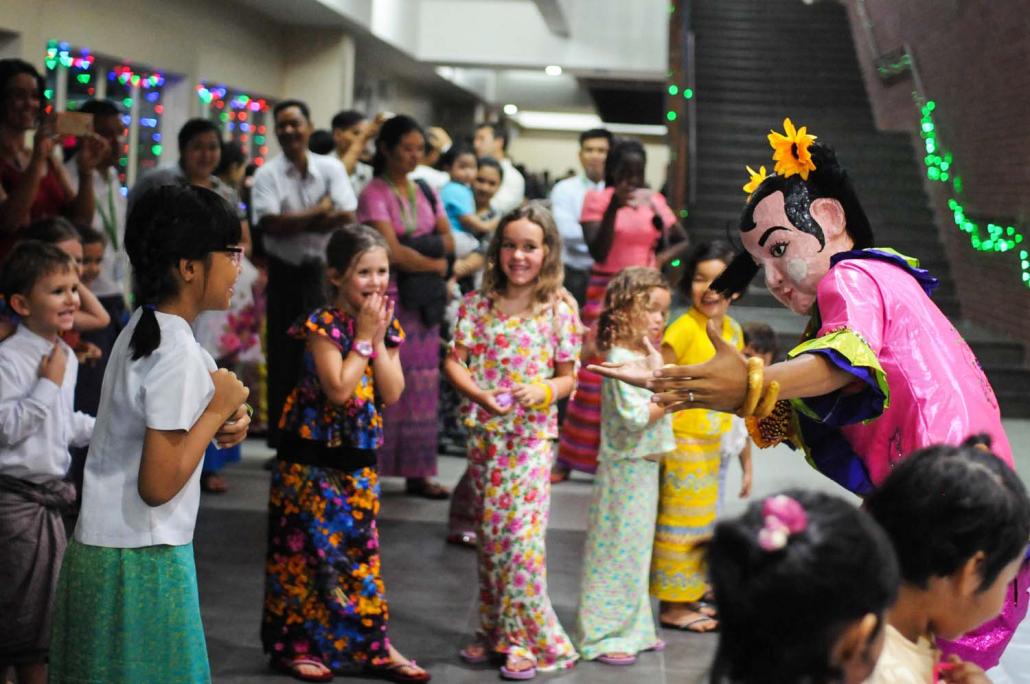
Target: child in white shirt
column 37, row 425
column 127, row 606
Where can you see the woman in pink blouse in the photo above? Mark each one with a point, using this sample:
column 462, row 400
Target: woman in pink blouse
column 410, row 216
column 626, row 224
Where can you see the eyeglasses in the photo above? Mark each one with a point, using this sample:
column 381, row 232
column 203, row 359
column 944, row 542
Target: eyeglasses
column 234, row 253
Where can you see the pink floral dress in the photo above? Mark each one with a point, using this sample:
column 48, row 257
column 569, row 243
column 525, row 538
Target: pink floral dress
column 510, row 463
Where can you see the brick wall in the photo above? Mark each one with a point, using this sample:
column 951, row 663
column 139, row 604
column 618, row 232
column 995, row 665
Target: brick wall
column 973, row 58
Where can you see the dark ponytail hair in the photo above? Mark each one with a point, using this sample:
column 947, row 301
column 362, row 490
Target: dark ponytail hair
column 390, row 134
column 835, row 571
column 829, row 180
column 942, row 504
column 167, row 224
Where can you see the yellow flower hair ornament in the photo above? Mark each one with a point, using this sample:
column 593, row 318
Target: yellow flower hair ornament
column 790, row 150
column 756, row 179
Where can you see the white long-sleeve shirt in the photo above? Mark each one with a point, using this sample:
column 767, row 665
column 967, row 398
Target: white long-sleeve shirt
column 37, row 421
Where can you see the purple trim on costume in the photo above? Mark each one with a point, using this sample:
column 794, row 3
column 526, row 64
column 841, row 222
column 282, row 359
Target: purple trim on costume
column 836, row 408
column 922, row 276
column 834, row 457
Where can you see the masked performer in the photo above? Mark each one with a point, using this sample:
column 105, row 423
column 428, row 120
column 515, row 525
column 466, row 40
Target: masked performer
column 880, row 371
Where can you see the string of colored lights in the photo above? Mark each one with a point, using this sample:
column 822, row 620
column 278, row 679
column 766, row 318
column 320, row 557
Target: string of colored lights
column 241, row 114
column 940, row 169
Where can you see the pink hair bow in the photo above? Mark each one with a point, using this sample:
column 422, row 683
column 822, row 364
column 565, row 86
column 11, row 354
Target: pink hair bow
column 782, row 516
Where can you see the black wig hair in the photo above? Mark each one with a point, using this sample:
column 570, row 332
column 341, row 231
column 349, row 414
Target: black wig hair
column 167, row 224
column 840, row 568
column 830, row 180
column 944, row 503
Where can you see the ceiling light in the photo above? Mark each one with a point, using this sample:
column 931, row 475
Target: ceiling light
column 552, row 70
column 511, row 110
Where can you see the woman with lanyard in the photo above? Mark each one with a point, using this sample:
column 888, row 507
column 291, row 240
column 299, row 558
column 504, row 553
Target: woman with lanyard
column 410, row 216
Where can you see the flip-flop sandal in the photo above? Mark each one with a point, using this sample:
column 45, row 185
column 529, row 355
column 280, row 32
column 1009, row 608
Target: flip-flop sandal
column 292, row 668
column 477, row 659
column 394, row 672
column 462, row 539
column 686, row 627
column 658, row 646
column 518, row 675
column 705, row 607
column 625, row 659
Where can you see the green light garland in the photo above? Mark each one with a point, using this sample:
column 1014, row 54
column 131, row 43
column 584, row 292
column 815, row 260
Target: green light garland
column 939, row 169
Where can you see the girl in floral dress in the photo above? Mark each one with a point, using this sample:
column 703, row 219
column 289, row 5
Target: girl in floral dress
column 516, row 344
column 325, row 605
column 615, row 621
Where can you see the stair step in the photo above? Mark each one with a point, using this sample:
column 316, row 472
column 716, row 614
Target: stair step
column 759, row 61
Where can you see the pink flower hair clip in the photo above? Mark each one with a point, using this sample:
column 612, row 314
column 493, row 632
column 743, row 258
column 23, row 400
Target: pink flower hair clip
column 782, row 516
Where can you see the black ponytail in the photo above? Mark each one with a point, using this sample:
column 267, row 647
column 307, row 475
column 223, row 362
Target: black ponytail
column 835, row 571
column 167, row 224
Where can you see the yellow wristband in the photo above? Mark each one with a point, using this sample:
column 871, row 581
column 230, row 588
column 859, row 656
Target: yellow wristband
column 548, row 395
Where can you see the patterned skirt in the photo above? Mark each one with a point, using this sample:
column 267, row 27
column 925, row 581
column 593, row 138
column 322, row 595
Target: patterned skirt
column 688, row 493
column 511, row 478
column 324, row 597
column 581, row 430
column 128, row 615
column 614, row 605
column 411, row 426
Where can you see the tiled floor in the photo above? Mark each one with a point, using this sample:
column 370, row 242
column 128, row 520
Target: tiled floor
column 431, row 585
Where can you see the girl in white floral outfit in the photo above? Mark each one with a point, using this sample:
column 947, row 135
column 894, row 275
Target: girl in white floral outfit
column 615, row 620
column 516, row 343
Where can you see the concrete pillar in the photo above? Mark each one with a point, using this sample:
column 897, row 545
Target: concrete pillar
column 319, row 69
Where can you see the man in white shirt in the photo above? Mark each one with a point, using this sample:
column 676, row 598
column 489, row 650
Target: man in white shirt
column 491, row 140
column 115, row 279
column 567, row 205
column 298, row 199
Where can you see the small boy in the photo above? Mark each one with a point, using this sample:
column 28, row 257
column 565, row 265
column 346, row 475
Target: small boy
column 37, row 424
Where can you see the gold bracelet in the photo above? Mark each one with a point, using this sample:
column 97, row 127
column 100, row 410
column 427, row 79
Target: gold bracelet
column 768, row 402
column 548, row 396
column 755, row 375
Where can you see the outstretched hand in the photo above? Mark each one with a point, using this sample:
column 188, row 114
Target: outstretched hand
column 719, row 383
column 639, row 372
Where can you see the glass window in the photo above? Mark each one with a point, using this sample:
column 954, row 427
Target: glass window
column 74, row 75
column 240, row 116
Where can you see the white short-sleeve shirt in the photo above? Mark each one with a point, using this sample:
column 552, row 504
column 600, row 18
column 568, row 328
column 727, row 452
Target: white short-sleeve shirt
column 167, row 390
column 279, row 188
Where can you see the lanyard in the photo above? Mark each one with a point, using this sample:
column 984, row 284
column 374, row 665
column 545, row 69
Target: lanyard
column 409, row 213
column 109, row 219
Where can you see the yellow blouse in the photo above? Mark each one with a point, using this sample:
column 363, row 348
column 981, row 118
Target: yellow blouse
column 686, row 336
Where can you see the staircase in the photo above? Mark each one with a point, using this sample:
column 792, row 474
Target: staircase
column 758, row 61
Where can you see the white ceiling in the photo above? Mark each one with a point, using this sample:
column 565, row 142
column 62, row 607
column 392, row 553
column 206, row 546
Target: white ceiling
column 497, row 49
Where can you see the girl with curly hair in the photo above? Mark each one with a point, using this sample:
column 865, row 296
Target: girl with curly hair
column 615, row 621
